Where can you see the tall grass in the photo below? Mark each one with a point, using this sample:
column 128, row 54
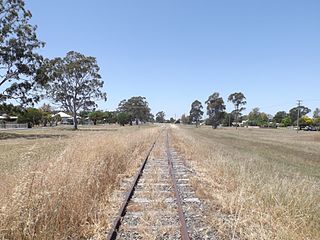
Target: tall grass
column 67, row 196
column 250, row 197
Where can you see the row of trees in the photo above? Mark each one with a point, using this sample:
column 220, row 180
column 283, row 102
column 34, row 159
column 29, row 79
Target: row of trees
column 75, row 84
column 217, row 114
column 32, row 116
column 45, row 115
column 73, row 81
column 287, row 119
column 216, row 109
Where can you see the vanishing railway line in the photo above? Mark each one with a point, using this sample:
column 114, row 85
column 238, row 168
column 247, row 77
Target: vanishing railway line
column 159, row 202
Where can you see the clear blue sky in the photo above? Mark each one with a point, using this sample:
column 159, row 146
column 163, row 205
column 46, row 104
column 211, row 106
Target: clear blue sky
column 175, row 51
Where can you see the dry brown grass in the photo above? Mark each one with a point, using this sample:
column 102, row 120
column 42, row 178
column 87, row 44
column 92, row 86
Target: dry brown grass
column 259, row 184
column 64, row 194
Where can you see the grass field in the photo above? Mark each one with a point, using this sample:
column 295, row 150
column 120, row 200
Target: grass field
column 259, row 183
column 56, row 183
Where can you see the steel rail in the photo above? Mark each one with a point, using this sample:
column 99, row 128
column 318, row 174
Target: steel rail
column 183, row 225
column 116, row 224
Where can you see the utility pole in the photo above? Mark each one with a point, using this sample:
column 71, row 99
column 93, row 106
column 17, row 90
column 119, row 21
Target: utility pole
column 299, row 104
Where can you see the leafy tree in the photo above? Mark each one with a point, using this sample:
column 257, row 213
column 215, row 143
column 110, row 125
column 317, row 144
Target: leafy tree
column 19, row 62
column 228, row 119
column 215, row 109
column 279, row 116
column 46, row 118
column 32, row 116
column 316, row 121
column 151, row 118
column 110, row 117
column 287, row 121
column 294, row 112
column 316, row 113
column 47, row 112
column 84, row 115
column 10, row 109
column 257, row 118
column 123, row 118
column 185, row 119
column 96, row 116
column 238, row 100
column 160, row 117
column 136, row 107
column 244, row 117
column 196, row 112
column 74, row 83
column 254, row 114
column 305, row 121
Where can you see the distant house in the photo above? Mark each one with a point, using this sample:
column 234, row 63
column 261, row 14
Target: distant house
column 10, row 122
column 65, row 118
column 5, row 118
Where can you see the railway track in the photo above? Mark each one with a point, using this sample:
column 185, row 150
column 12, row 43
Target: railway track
column 159, row 202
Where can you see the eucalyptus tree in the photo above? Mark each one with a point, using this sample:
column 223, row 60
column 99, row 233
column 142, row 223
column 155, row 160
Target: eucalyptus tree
column 137, row 108
column 298, row 111
column 123, row 118
column 96, row 116
column 279, row 116
column 19, row 61
column 257, row 118
column 74, row 83
column 238, row 100
column 215, row 109
column 160, row 117
column 32, row 116
column 316, row 113
column 196, row 112
column 10, row 109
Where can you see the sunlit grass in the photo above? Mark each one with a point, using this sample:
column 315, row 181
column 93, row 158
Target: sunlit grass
column 260, row 184
column 64, row 193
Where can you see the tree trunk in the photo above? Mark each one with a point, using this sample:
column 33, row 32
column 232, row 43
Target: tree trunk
column 214, row 125
column 237, row 112
column 236, row 121
column 75, row 122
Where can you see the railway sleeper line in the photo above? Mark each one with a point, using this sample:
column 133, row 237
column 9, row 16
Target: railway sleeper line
column 160, row 202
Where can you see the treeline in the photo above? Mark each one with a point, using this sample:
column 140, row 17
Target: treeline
column 215, row 106
column 72, row 82
column 216, row 110
column 132, row 111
